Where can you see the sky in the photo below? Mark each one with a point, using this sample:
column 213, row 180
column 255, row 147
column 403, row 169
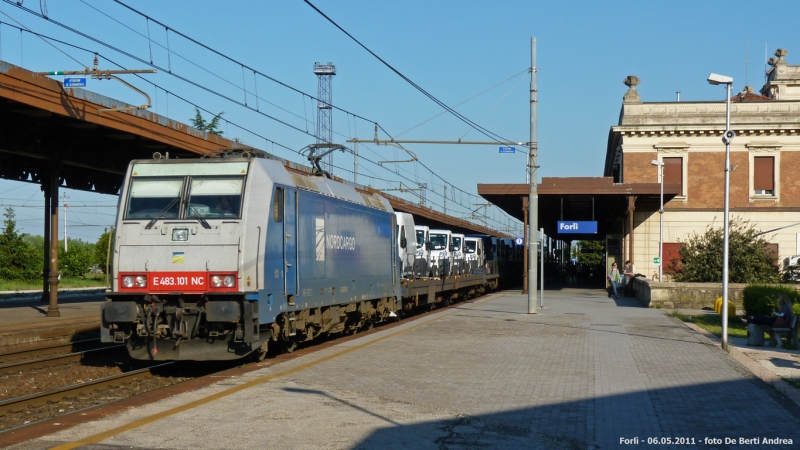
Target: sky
column 472, row 55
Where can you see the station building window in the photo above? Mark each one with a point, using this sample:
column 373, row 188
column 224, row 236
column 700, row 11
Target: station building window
column 765, row 172
column 673, row 172
column 764, row 175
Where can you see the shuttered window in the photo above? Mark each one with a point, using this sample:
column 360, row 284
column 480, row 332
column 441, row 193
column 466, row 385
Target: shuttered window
column 673, row 171
column 764, row 175
column 772, row 249
column 672, row 257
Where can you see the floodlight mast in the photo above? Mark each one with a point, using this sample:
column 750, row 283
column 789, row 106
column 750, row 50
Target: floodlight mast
column 727, row 137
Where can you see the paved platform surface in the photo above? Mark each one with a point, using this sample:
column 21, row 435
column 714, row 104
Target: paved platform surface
column 584, row 373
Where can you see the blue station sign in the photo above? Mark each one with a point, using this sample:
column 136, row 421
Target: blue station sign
column 573, row 227
column 507, row 150
column 75, row 82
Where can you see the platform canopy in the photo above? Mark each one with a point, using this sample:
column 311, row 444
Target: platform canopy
column 578, row 199
column 87, row 141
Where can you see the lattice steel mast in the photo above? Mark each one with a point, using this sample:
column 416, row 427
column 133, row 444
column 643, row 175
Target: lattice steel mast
column 325, row 73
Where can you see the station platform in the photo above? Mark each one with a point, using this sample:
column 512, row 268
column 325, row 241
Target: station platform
column 586, row 372
column 24, row 324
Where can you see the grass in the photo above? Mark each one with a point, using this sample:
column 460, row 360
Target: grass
column 794, row 382
column 93, row 280
column 713, row 324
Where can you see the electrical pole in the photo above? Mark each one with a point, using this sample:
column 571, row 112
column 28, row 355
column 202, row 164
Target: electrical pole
column 533, row 196
column 64, row 200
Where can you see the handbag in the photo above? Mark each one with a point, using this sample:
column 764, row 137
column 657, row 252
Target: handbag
column 781, row 322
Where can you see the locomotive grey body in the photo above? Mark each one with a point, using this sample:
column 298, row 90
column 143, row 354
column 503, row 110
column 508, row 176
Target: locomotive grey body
column 215, row 258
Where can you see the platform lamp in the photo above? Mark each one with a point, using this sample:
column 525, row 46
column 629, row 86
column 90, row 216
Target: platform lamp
column 660, row 166
column 727, row 137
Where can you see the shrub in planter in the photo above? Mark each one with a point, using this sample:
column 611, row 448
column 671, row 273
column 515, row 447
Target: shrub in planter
column 762, row 299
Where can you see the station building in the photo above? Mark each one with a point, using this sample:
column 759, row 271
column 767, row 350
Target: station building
column 687, row 138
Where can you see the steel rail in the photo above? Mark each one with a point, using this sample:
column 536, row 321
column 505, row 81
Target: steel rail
column 56, row 395
column 53, row 360
column 6, row 358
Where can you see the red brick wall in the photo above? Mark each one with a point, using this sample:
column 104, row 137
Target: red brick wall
column 706, row 177
column 637, row 168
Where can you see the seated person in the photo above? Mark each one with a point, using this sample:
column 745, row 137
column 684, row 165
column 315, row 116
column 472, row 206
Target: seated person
column 225, row 206
column 779, row 319
column 614, row 279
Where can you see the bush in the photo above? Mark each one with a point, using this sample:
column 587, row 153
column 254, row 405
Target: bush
column 749, row 261
column 762, row 299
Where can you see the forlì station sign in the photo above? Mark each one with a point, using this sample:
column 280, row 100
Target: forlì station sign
column 577, row 227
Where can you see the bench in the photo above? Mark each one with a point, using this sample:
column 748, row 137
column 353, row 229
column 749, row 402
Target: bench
column 791, row 333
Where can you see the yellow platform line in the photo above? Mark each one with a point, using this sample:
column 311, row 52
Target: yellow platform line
column 194, row 404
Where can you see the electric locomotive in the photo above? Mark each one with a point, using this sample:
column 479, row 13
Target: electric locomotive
column 214, row 259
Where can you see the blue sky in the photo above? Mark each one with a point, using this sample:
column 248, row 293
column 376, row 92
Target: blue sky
column 455, row 50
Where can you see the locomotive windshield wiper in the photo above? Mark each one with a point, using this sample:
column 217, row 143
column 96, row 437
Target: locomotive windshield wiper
column 196, row 215
column 161, row 214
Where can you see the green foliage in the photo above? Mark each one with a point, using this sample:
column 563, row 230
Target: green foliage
column 201, row 124
column 76, row 261
column 101, row 250
column 749, row 259
column 19, row 260
column 762, row 299
column 590, row 253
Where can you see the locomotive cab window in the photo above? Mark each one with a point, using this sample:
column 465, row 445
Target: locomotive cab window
column 277, row 205
column 154, row 197
column 215, row 197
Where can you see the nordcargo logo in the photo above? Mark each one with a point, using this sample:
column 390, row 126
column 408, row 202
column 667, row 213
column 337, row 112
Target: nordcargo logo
column 336, row 242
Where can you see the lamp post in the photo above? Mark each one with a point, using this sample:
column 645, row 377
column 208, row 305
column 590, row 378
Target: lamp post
column 727, row 137
column 660, row 166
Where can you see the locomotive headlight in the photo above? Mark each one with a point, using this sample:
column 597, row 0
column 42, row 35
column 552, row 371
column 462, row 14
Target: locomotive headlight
column 127, row 281
column 141, row 281
column 180, row 234
column 228, row 281
column 216, row 280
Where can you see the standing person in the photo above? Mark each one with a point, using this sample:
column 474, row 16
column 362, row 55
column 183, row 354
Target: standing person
column 628, row 273
column 614, row 279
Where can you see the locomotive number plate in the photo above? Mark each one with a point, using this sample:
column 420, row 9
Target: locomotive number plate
column 184, row 281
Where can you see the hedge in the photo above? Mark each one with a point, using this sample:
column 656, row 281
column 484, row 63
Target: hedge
column 762, row 300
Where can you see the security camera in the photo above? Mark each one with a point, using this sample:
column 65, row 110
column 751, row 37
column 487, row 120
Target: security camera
column 719, row 79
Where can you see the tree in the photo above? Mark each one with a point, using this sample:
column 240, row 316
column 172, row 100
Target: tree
column 749, row 259
column 76, row 261
column 201, row 124
column 101, row 250
column 18, row 259
column 590, row 253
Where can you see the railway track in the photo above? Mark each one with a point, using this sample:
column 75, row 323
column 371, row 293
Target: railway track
column 38, row 353
column 56, row 395
column 49, row 361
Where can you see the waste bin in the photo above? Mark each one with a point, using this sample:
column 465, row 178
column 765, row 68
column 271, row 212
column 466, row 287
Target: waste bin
column 755, row 334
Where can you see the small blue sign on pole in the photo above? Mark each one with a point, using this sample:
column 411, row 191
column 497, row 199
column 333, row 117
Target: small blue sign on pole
column 573, row 227
column 519, row 240
column 75, row 82
column 508, row 150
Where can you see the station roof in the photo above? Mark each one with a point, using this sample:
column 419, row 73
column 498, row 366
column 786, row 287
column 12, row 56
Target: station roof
column 578, row 198
column 77, row 132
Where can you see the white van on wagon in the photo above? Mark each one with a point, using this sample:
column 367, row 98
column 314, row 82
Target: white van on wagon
column 441, row 253
column 406, row 243
column 423, row 256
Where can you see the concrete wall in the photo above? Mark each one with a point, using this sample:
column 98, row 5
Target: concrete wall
column 685, row 295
